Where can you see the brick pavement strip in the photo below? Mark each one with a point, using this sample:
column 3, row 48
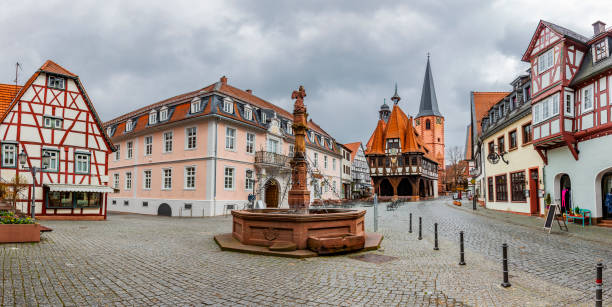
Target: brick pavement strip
column 146, row 260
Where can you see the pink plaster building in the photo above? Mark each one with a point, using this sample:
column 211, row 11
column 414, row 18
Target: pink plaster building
column 199, row 153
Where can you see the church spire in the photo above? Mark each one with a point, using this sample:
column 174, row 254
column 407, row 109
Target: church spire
column 429, row 102
column 396, row 98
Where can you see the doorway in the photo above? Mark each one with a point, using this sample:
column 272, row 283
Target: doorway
column 164, row 210
column 606, row 196
column 272, row 194
column 565, row 188
column 534, row 199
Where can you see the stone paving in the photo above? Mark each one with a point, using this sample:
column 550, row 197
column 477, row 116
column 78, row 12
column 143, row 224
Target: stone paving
column 133, row 260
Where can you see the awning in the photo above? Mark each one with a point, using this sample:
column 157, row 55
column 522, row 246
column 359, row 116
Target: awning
column 79, row 188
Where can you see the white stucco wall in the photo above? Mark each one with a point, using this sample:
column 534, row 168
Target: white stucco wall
column 595, row 159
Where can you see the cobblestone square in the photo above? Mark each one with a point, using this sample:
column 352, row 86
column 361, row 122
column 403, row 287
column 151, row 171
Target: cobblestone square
column 148, row 260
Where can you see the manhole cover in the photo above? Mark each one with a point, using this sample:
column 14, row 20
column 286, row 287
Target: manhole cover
column 373, row 258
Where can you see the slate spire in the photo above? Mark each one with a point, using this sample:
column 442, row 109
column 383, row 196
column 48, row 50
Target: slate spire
column 396, row 98
column 429, row 102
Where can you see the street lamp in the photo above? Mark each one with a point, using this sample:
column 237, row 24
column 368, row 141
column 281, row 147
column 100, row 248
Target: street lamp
column 23, row 157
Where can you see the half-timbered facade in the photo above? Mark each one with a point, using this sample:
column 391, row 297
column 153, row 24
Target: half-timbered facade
column 571, row 75
column 52, row 116
column 399, row 162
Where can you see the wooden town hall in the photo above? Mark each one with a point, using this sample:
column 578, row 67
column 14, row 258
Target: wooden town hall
column 403, row 153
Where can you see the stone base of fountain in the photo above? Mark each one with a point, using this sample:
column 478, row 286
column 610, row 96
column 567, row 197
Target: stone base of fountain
column 327, row 231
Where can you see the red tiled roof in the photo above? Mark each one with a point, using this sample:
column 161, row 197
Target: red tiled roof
column 354, row 148
column 52, row 67
column 400, row 127
column 483, row 101
column 7, row 93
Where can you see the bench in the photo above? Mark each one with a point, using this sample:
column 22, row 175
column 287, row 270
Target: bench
column 584, row 215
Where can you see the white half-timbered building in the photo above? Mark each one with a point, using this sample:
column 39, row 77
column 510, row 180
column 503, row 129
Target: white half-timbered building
column 52, row 116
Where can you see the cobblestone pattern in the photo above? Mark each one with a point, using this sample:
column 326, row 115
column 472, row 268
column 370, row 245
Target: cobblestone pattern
column 143, row 260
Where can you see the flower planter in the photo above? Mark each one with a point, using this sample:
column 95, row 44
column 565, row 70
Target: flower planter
column 19, row 233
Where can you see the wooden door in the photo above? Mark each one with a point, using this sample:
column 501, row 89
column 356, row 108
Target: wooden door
column 534, row 200
column 272, row 195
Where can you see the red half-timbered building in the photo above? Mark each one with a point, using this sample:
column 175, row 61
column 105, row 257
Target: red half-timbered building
column 52, row 116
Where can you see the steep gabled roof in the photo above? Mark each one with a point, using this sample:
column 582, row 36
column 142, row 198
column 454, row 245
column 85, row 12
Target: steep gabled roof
column 376, row 144
column 354, row 148
column 562, row 31
column 7, row 93
column 54, row 68
column 429, row 102
column 588, row 69
column 481, row 104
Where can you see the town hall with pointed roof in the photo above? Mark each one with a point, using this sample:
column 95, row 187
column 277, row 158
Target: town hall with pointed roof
column 405, row 155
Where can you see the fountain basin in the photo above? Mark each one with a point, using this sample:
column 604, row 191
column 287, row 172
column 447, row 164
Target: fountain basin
column 264, row 227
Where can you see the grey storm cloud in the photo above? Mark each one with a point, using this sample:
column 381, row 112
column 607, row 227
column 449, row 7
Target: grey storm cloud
column 347, row 54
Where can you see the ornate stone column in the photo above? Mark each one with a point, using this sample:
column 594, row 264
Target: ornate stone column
column 299, row 195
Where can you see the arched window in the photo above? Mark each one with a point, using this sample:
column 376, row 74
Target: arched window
column 427, row 124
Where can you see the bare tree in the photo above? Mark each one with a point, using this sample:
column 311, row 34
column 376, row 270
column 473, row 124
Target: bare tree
column 13, row 189
column 456, row 172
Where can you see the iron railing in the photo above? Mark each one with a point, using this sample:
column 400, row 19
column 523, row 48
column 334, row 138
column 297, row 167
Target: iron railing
column 271, row 158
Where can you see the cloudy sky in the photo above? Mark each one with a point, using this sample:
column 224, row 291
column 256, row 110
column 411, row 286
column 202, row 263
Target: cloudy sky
column 347, row 54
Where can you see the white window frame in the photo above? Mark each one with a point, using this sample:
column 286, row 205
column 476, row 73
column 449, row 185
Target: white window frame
column 249, row 183
column 316, row 159
column 147, row 178
column 129, row 125
column 264, row 117
column 228, row 106
column 167, row 141
column 546, row 61
column 277, row 145
column 248, row 112
column 231, row 178
column 165, row 172
column 52, row 122
column 53, row 156
column 148, row 144
column 163, row 114
column 87, row 160
column 325, row 161
column 189, row 136
column 548, row 105
column 569, row 103
column 128, row 181
column 56, row 82
column 290, row 127
column 9, row 155
column 152, row 117
column 118, row 152
column 334, row 164
column 187, row 177
column 250, row 143
column 196, row 105
column 590, row 88
column 116, row 181
column 129, row 149
column 230, row 139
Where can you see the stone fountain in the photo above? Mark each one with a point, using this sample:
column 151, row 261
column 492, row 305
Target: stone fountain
column 298, row 231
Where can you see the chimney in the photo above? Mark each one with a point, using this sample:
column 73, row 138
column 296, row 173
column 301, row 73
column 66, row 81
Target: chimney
column 250, row 91
column 599, row 27
column 223, row 80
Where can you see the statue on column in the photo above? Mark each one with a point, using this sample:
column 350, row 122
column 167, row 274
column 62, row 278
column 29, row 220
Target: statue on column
column 299, row 195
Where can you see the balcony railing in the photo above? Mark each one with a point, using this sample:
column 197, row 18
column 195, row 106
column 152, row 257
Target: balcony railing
column 271, row 158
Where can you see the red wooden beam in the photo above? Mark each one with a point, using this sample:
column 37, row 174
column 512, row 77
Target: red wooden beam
column 543, row 155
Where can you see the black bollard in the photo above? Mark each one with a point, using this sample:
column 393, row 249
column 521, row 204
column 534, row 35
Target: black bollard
column 461, row 252
column 410, row 224
column 599, row 286
column 420, row 232
column 436, row 236
column 505, row 284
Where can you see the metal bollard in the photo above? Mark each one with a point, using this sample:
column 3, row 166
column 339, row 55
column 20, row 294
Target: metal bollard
column 599, row 286
column 461, row 251
column 410, row 224
column 505, row 284
column 436, row 236
column 420, row 232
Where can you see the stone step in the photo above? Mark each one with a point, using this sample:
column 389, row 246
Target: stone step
column 605, row 223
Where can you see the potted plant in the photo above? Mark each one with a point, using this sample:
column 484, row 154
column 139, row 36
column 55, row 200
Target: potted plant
column 547, row 200
column 577, row 211
column 15, row 229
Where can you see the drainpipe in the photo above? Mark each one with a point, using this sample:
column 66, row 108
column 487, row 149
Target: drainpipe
column 215, row 171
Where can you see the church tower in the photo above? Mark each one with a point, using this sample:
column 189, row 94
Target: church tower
column 430, row 122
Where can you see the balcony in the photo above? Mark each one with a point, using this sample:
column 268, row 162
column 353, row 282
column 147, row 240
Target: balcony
column 271, row 159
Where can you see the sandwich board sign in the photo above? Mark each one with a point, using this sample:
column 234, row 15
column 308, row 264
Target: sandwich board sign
column 552, row 215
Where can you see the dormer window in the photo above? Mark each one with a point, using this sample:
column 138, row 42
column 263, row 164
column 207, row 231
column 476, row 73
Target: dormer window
column 600, row 50
column 57, row 83
column 248, row 112
column 152, row 117
column 228, row 106
column 129, row 125
column 163, row 114
column 393, row 146
column 546, row 61
column 109, row 131
column 196, row 105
